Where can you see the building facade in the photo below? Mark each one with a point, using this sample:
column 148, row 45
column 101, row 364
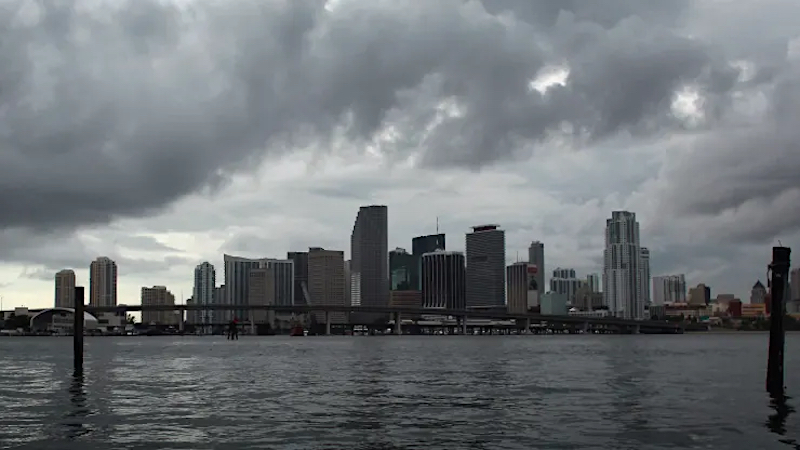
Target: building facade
column 444, row 280
column 622, row 276
column 536, row 259
column 593, row 282
column 699, row 295
column 565, row 281
column 421, row 245
column 644, row 275
column 205, row 282
column 669, row 289
column 261, row 289
column 103, row 282
column 65, row 289
column 300, row 276
column 158, row 296
column 326, row 281
column 402, row 266
column 758, row 294
column 369, row 266
column 237, row 278
column 521, row 288
column 486, row 266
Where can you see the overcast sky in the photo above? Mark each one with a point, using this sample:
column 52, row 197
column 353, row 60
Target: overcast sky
column 163, row 134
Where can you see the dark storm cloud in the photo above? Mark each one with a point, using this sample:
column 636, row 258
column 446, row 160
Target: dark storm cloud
column 108, row 112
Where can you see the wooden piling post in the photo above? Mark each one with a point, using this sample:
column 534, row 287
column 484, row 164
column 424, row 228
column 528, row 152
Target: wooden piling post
column 778, row 281
column 77, row 339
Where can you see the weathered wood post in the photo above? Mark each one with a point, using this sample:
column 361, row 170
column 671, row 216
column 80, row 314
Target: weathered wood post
column 77, row 328
column 780, row 276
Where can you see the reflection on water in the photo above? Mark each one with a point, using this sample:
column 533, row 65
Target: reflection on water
column 461, row 392
column 776, row 423
column 75, row 417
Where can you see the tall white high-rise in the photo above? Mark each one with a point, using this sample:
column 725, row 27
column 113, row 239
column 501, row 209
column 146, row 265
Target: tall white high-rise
column 669, row 289
column 622, row 276
column 205, row 281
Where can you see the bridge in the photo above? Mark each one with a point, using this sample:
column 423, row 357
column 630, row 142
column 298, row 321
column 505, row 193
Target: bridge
column 398, row 311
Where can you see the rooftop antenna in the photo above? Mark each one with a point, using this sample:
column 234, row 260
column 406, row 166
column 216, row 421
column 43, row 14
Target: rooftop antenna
column 437, row 224
column 517, row 255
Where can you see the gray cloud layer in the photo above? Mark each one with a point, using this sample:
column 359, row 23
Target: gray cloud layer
column 109, row 112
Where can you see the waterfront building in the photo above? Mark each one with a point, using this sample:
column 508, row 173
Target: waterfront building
column 300, row 276
column 103, row 282
column 486, row 267
column 643, row 280
column 158, row 296
column 421, row 245
column 237, row 278
column 622, row 277
column 670, row 289
column 536, row 259
column 65, row 289
column 327, row 281
column 402, row 266
column 369, row 264
column 593, row 282
column 205, row 282
column 758, row 294
column 521, row 288
column 443, row 280
column 565, row 281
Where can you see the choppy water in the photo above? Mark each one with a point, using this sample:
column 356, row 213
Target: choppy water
column 481, row 392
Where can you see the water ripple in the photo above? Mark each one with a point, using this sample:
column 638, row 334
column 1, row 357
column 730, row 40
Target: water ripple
column 621, row 392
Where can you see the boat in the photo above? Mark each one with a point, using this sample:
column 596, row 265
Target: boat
column 297, row 331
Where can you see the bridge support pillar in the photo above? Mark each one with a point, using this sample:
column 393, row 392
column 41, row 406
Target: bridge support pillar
column 464, row 325
column 636, row 329
column 181, row 321
column 327, row 323
column 397, row 324
column 585, row 327
column 252, row 322
column 527, row 325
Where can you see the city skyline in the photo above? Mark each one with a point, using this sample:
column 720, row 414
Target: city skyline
column 570, row 282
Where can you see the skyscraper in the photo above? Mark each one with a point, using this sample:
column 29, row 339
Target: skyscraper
column 486, row 266
column 369, row 251
column 421, row 245
column 644, row 275
column 237, row 287
column 205, row 281
column 402, row 266
column 300, row 276
column 670, row 289
column 593, row 282
column 536, row 259
column 326, row 281
column 158, row 296
column 65, row 289
column 520, row 280
column 622, row 276
column 566, row 282
column 103, row 282
column 443, row 280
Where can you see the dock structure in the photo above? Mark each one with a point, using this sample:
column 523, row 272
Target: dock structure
column 77, row 332
column 781, row 261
